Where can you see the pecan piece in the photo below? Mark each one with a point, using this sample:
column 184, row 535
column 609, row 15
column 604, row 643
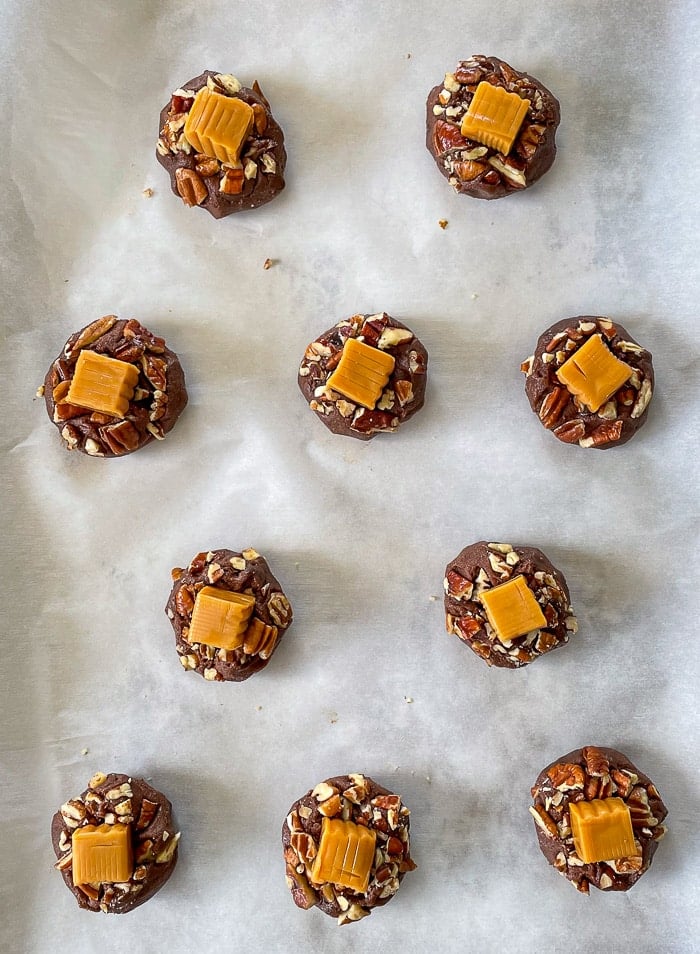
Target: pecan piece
column 259, row 118
column 155, row 370
column 458, row 586
column 190, row 186
column 604, row 434
column 147, row 814
column 528, row 141
column 206, row 166
column 597, row 762
column 232, row 182
column 570, row 432
column 120, row 438
column 544, row 821
column 466, row 171
column 90, row 334
column 552, row 406
column 565, row 776
column 184, row 601
column 447, row 136
column 368, row 421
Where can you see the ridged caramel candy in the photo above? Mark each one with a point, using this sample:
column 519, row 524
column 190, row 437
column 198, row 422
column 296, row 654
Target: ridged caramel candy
column 512, row 609
column 218, row 125
column 102, row 853
column 494, row 117
column 593, row 373
column 362, row 373
column 259, row 638
column 102, row 384
column 345, row 855
column 602, row 830
column 220, row 618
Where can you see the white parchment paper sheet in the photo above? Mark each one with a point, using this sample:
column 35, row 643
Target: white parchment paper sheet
column 358, row 534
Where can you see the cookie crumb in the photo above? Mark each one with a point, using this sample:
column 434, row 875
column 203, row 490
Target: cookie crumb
column 147, row 193
column 267, row 263
column 259, row 708
column 443, row 223
column 40, row 391
column 408, row 699
column 334, row 718
column 408, row 56
column 474, row 296
column 432, row 599
column 84, row 751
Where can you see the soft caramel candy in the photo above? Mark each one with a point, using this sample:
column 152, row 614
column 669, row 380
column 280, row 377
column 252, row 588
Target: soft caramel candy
column 345, row 855
column 102, row 853
column 494, row 117
column 259, row 638
column 362, row 373
column 593, row 373
column 102, row 384
column 512, row 609
column 220, row 618
column 218, row 125
column 602, row 830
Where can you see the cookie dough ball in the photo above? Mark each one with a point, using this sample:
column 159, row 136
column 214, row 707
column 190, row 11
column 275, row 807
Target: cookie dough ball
column 346, row 847
column 114, row 388
column 508, row 603
column 491, row 129
column 229, row 614
column 589, row 382
column 364, row 376
column 116, row 843
column 598, row 818
column 221, row 145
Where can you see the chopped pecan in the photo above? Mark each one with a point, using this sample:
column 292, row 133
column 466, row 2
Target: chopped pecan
column 304, row 845
column 570, row 432
column 90, row 334
column 604, row 434
column 447, row 136
column 190, row 186
column 147, row 814
column 206, row 166
column 184, row 601
column 544, row 820
column 259, row 118
column 528, row 141
column 466, row 171
column 155, row 370
column 232, row 182
column 552, row 406
column 565, row 776
column 597, row 762
column 120, row 438
column 469, row 626
column 458, row 586
column 367, row 421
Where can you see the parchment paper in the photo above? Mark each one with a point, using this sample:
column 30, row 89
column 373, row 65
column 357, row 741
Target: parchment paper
column 366, row 680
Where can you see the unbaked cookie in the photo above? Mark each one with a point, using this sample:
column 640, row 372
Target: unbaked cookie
column 116, row 843
column 507, row 603
column 491, row 129
column 346, row 847
column 221, row 145
column 364, row 376
column 589, row 382
column 114, row 388
column 229, row 614
column 598, row 818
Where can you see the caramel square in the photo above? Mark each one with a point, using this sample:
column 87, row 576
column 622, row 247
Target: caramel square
column 220, row 617
column 102, row 853
column 512, row 609
column 362, row 373
column 494, row 117
column 602, row 830
column 345, row 855
column 102, row 384
column 218, row 125
column 593, row 373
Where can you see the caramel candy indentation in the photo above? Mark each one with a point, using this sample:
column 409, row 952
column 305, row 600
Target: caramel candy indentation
column 220, row 618
column 512, row 609
column 102, row 853
column 362, row 373
column 102, row 384
column 602, row 830
column 494, row 117
column 593, row 373
column 345, row 855
column 218, row 125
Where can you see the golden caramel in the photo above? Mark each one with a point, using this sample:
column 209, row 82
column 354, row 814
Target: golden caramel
column 602, row 830
column 512, row 609
column 220, row 618
column 362, row 373
column 102, row 853
column 494, row 117
column 102, row 384
column 593, row 373
column 345, row 855
column 218, row 125
column 259, row 638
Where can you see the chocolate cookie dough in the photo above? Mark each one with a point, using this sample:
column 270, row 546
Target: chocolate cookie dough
column 508, row 603
column 364, row 376
column 346, row 847
column 598, row 818
column 131, row 386
column 116, row 843
column 229, row 614
column 491, row 129
column 589, row 382
column 221, row 145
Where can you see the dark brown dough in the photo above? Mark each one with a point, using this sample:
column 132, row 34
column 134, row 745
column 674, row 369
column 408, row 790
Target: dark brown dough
column 480, row 567
column 120, row 798
column 264, row 149
column 583, row 775
column 159, row 398
column 245, row 572
column 401, row 398
column 359, row 799
column 565, row 416
column 477, row 170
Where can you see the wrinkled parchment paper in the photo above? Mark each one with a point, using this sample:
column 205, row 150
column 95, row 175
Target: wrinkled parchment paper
column 366, row 679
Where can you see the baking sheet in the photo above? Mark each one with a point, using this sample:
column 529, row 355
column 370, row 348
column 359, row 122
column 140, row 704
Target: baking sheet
column 366, row 679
